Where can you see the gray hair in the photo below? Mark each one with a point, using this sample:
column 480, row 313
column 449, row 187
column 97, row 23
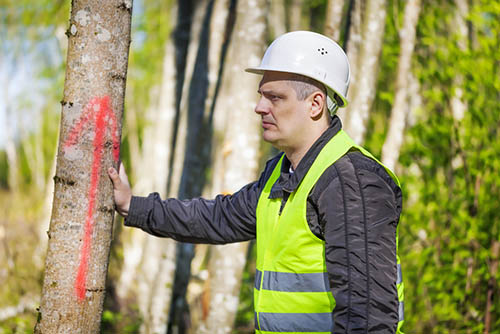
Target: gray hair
column 304, row 86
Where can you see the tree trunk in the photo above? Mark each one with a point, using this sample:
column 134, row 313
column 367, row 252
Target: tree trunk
column 352, row 44
column 367, row 67
column 276, row 18
column 333, row 18
column 221, row 26
column 196, row 151
column 295, row 14
column 237, row 158
column 400, row 108
column 149, row 262
column 458, row 107
column 82, row 214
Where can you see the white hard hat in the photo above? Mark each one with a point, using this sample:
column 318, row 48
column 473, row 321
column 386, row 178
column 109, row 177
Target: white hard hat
column 312, row 55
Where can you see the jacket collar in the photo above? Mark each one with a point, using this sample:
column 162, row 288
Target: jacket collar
column 289, row 182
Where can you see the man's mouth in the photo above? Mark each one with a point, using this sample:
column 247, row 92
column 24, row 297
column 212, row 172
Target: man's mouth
column 267, row 124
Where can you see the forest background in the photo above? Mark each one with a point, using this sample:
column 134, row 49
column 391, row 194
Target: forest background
column 424, row 97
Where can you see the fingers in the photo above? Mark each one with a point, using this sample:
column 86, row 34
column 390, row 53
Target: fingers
column 113, row 175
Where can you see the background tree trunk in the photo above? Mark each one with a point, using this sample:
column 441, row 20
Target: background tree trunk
column 458, row 107
column 237, row 158
column 352, row 44
column 295, row 14
column 149, row 262
column 82, row 215
column 221, row 26
column 276, row 19
column 333, row 19
column 367, row 69
column 195, row 154
column 400, row 108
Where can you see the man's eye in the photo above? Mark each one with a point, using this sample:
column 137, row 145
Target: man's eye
column 274, row 97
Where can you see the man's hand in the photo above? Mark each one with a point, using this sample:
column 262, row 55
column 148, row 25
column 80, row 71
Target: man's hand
column 121, row 189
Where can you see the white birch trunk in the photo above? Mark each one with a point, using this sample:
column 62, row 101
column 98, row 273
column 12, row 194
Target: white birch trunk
column 352, row 50
column 239, row 157
column 334, row 18
column 149, row 262
column 190, row 63
column 295, row 14
column 196, row 288
column 367, row 67
column 400, row 108
column 458, row 107
column 276, row 18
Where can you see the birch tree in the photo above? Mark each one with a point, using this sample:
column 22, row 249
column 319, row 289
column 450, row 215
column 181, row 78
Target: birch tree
column 192, row 151
column 400, row 108
column 295, row 14
column 82, row 214
column 221, row 26
column 367, row 66
column 237, row 158
column 457, row 104
column 276, row 18
column 352, row 44
column 149, row 262
column 333, row 18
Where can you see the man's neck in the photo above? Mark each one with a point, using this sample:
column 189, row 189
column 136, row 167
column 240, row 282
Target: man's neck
column 295, row 154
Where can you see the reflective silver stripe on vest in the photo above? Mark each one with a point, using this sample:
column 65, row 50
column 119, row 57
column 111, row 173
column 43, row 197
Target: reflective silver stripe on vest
column 258, row 277
column 400, row 275
column 292, row 282
column 401, row 311
column 295, row 322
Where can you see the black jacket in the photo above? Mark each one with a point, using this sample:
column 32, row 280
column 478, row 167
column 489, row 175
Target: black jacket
column 354, row 206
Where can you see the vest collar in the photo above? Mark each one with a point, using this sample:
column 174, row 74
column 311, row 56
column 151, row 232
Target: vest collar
column 289, row 182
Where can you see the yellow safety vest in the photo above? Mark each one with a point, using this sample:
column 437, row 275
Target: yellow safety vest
column 292, row 292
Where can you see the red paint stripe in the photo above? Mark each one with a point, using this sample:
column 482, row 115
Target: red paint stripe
column 77, row 129
column 101, row 111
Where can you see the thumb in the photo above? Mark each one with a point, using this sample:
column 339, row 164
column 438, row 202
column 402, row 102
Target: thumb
column 113, row 175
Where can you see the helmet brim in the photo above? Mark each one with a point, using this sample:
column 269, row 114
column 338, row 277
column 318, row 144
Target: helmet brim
column 330, row 91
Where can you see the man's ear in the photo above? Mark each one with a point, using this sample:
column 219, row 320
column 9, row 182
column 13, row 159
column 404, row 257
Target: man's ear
column 318, row 102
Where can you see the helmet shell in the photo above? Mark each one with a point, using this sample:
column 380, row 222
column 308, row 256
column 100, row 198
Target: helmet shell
column 312, row 55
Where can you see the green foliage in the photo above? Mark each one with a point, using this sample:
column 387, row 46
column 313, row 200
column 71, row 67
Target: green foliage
column 115, row 322
column 450, row 176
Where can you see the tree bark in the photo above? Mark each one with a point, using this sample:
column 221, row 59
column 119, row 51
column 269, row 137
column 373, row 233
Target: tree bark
column 195, row 150
column 458, row 106
column 334, row 18
column 221, row 26
column 367, row 67
column 276, row 18
column 352, row 44
column 82, row 214
column 149, row 262
column 237, row 158
column 295, row 14
column 400, row 108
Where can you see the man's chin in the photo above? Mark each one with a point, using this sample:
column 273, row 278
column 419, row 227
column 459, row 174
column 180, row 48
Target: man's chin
column 269, row 138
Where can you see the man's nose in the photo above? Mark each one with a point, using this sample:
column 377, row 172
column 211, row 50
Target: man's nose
column 262, row 107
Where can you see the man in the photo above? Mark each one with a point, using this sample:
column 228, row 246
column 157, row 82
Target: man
column 324, row 212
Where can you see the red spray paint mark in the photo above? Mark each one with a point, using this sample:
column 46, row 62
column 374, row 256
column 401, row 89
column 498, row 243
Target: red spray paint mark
column 97, row 111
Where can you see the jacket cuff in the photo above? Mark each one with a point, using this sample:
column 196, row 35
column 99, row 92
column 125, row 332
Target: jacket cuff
column 138, row 211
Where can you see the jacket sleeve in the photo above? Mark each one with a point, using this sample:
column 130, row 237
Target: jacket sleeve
column 225, row 219
column 359, row 211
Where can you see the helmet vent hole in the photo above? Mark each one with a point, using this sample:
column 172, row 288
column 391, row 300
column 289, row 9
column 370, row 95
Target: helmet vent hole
column 323, row 51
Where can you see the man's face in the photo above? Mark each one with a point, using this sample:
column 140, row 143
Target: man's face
column 284, row 117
